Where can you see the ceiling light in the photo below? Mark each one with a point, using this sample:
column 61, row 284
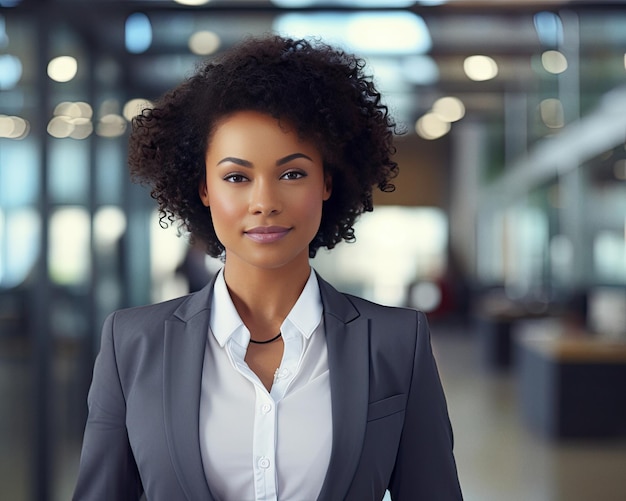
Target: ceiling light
column 553, row 61
column 204, row 43
column 549, row 28
column 10, row 71
column 192, row 2
column 135, row 107
column 138, row 33
column 395, row 32
column 6, row 126
column 13, row 127
column 62, row 68
column 480, row 68
column 82, row 128
column 552, row 114
column 430, row 126
column 449, row 109
column 109, row 224
column 70, row 109
column 111, row 125
column 363, row 33
column 293, row 4
column 299, row 4
column 60, row 127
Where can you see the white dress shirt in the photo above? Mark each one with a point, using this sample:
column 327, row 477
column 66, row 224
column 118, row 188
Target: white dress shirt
column 258, row 445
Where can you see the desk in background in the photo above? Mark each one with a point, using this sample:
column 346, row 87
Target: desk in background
column 572, row 385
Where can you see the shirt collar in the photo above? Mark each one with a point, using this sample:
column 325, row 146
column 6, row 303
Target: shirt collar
column 305, row 315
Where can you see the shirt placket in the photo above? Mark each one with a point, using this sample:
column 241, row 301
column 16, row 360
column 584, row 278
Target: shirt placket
column 265, row 426
column 266, row 419
column 264, row 446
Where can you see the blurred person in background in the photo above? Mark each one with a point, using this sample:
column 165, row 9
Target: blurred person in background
column 267, row 384
column 193, row 268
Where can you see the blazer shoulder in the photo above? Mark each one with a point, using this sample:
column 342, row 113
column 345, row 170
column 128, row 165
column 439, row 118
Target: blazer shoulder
column 370, row 308
column 148, row 312
column 183, row 308
column 150, row 318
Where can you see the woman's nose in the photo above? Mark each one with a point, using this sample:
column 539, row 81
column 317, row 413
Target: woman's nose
column 264, row 198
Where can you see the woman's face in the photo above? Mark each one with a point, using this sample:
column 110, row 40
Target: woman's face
column 265, row 187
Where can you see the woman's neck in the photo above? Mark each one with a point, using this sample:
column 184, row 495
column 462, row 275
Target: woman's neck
column 264, row 297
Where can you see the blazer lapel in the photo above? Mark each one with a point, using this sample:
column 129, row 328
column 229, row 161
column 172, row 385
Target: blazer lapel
column 184, row 347
column 347, row 338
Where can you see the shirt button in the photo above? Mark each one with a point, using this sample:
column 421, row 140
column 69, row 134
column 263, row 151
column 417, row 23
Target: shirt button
column 265, row 408
column 264, row 463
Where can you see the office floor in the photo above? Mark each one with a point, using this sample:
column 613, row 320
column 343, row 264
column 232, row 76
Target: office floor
column 497, row 457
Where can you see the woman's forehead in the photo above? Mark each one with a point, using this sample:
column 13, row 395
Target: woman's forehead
column 252, row 132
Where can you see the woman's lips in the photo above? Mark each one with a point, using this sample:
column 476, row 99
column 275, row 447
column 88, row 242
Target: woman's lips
column 267, row 234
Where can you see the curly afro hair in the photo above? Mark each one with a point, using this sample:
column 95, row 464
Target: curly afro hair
column 319, row 90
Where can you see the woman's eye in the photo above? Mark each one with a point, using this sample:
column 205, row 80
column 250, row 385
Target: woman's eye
column 294, row 174
column 235, row 178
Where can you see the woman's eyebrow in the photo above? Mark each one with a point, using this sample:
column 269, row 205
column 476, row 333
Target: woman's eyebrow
column 279, row 162
column 291, row 157
column 235, row 160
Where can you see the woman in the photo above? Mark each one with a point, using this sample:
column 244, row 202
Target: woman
column 267, row 384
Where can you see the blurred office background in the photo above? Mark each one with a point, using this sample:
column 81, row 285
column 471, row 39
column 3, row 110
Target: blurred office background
column 508, row 224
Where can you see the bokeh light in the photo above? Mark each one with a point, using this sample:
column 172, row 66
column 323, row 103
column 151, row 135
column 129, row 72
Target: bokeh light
column 134, row 107
column 204, row 43
column 10, row 71
column 552, row 114
column 192, row 2
column 109, row 225
column 430, row 126
column 553, row 61
column 480, row 68
column 449, row 109
column 111, row 125
column 12, row 127
column 71, row 119
column 138, row 33
column 62, row 68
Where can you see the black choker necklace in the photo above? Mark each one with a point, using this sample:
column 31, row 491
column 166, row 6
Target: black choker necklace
column 268, row 341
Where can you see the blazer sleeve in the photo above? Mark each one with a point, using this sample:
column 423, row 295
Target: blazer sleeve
column 107, row 467
column 425, row 468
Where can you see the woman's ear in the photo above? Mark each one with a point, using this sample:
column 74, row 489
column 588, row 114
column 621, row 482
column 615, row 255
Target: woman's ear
column 328, row 186
column 204, row 192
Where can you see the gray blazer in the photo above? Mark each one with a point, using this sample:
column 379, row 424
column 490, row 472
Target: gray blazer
column 390, row 421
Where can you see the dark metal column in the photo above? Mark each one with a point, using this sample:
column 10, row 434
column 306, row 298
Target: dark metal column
column 40, row 331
